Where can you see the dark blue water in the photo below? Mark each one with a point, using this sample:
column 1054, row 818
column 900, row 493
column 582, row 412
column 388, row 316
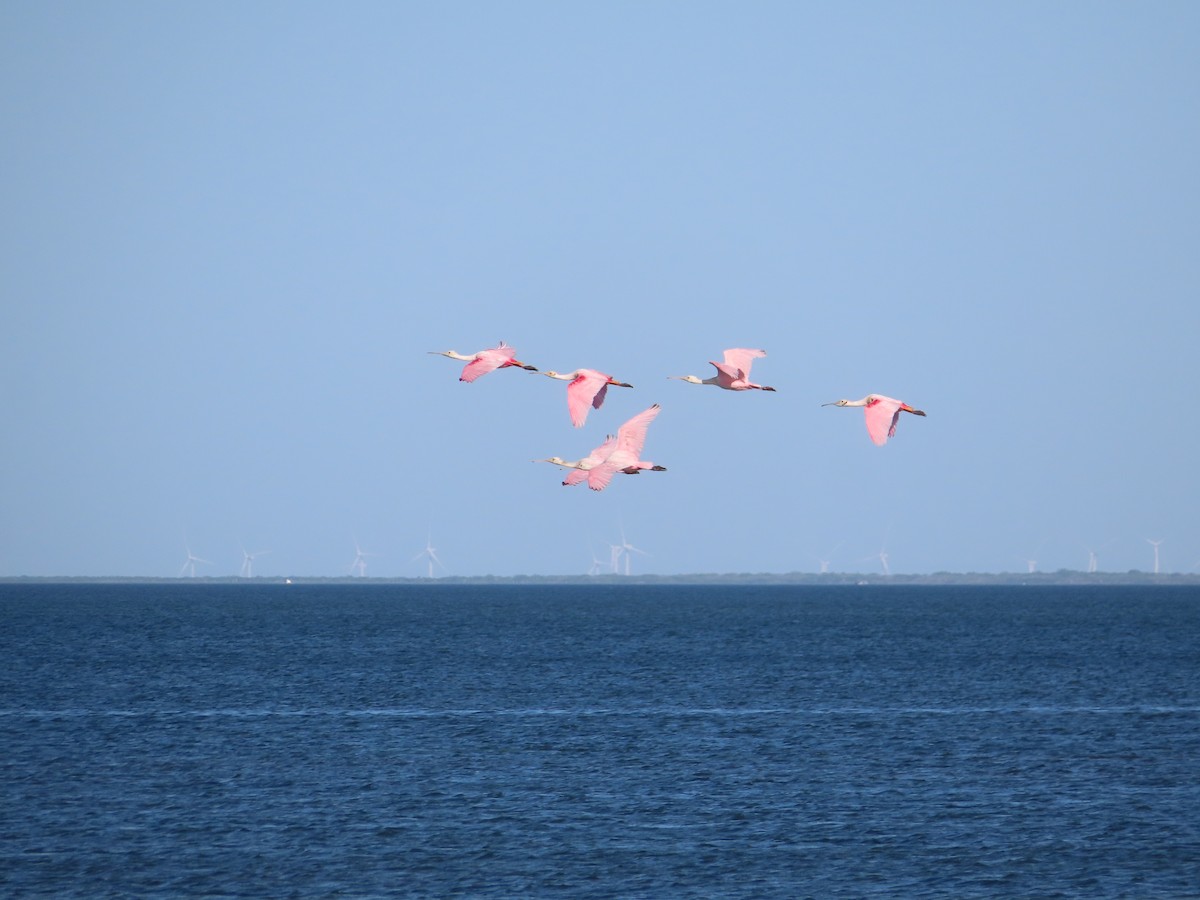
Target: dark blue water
column 599, row 741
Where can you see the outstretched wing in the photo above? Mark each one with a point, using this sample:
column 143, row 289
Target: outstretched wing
column 631, row 436
column 601, row 453
column 587, row 390
column 589, row 462
column 599, row 477
column 881, row 414
column 727, row 374
column 624, row 450
column 739, row 358
column 487, row 361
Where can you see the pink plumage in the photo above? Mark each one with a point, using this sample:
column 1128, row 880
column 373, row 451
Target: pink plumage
column 734, row 373
column 587, row 388
column 485, row 361
column 626, row 457
column 621, row 453
column 881, row 413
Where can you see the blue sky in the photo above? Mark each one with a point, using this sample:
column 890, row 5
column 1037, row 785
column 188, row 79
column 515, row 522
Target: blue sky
column 233, row 232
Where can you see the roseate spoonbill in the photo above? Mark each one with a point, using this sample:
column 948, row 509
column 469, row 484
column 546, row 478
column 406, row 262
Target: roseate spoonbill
column 617, row 454
column 734, row 373
column 881, row 413
column 580, row 467
column 626, row 457
column 485, row 361
column 587, row 387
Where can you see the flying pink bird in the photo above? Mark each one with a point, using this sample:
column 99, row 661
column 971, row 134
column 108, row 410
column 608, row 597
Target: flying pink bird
column 580, row 467
column 881, row 414
column 485, row 361
column 734, row 373
column 617, row 454
column 587, row 387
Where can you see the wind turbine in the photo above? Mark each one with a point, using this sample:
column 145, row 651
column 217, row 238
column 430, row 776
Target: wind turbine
column 189, row 564
column 882, row 555
column 1093, row 562
column 597, row 562
column 1031, row 561
column 360, row 560
column 825, row 562
column 1155, row 544
column 248, row 561
column 430, row 554
column 614, row 560
column 626, row 548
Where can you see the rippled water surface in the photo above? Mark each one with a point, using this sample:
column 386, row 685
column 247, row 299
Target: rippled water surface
column 599, row 741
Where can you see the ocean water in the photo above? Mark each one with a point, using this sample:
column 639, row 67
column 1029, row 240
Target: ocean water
column 599, row 741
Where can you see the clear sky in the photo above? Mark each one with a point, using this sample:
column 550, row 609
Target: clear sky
column 232, row 233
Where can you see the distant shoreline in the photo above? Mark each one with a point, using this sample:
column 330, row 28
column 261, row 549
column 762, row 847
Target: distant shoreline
column 1061, row 577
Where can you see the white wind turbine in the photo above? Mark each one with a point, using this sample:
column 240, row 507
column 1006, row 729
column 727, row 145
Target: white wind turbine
column 614, row 558
column 882, row 556
column 1030, row 564
column 1031, row 561
column 825, row 562
column 360, row 560
column 597, row 562
column 430, row 554
column 625, row 548
column 189, row 564
column 248, row 561
column 1093, row 560
column 1155, row 544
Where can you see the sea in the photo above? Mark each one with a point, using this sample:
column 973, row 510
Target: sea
column 598, row 741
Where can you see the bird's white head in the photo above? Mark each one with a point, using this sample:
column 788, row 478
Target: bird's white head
column 691, row 379
column 837, row 403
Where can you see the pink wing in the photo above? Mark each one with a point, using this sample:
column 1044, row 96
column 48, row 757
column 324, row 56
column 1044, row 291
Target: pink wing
column 487, row 361
column 631, row 436
column 628, row 447
column 881, row 413
column 599, row 477
column 727, row 374
column 586, row 390
column 590, row 461
column 741, row 358
column 601, row 453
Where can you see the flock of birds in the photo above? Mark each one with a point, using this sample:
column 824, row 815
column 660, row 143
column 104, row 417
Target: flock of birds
column 621, row 453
